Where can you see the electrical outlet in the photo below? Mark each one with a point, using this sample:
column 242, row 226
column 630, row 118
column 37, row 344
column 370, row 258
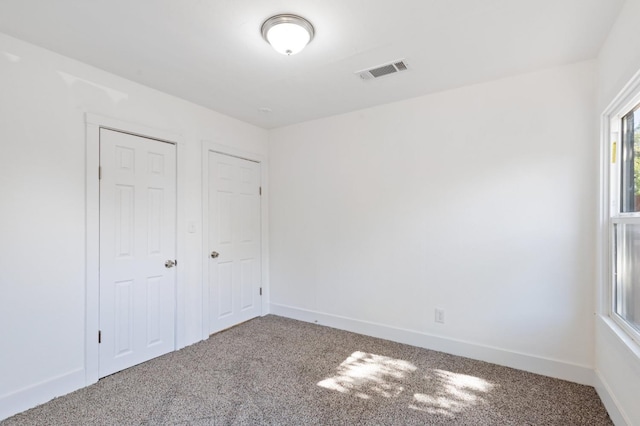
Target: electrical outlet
column 439, row 316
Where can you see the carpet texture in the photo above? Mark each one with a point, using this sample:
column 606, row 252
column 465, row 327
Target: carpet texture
column 278, row 371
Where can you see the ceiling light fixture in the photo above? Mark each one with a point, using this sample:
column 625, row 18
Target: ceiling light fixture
column 287, row 34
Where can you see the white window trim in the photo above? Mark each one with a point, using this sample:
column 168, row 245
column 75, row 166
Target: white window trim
column 626, row 100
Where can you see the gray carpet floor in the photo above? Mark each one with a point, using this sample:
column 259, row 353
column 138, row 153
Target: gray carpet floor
column 278, row 371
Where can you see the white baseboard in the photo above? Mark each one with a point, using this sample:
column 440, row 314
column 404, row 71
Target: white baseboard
column 23, row 399
column 538, row 365
column 618, row 417
column 16, row 402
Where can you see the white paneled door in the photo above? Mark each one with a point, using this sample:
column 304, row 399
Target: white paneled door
column 234, row 240
column 137, row 249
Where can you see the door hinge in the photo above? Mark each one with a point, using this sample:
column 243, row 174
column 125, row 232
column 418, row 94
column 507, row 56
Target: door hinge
column 99, row 336
column 260, row 190
column 99, row 172
column 260, row 291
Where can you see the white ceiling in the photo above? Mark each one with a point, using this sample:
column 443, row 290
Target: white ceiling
column 211, row 52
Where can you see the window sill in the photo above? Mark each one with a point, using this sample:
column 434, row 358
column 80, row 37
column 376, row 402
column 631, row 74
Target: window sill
column 627, row 341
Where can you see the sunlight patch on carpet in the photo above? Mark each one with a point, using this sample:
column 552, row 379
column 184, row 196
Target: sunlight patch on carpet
column 367, row 375
column 452, row 393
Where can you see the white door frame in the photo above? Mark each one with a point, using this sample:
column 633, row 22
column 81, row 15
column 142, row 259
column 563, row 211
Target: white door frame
column 94, row 123
column 264, row 243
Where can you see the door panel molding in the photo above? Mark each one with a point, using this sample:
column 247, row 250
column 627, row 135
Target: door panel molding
column 137, row 240
column 209, row 146
column 93, row 124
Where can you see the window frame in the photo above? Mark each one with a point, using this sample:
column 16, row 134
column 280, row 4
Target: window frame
column 611, row 199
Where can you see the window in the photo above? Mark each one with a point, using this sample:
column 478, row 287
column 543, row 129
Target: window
column 630, row 158
column 625, row 219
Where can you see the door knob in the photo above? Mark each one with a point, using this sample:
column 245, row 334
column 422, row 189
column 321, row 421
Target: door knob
column 170, row 264
column 214, row 254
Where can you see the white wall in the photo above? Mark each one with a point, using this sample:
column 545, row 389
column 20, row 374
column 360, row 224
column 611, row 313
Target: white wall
column 43, row 98
column 479, row 201
column 617, row 360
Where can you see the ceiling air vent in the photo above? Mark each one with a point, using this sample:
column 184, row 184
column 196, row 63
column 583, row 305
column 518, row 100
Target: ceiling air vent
column 382, row 70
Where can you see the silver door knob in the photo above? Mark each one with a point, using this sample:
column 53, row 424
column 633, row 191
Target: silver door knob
column 214, row 254
column 170, row 264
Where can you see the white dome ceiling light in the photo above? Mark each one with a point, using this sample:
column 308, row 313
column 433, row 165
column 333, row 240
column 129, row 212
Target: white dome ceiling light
column 287, row 34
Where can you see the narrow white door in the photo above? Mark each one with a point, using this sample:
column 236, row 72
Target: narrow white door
column 137, row 248
column 234, row 240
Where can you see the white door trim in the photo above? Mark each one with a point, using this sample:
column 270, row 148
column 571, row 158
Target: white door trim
column 264, row 220
column 93, row 124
